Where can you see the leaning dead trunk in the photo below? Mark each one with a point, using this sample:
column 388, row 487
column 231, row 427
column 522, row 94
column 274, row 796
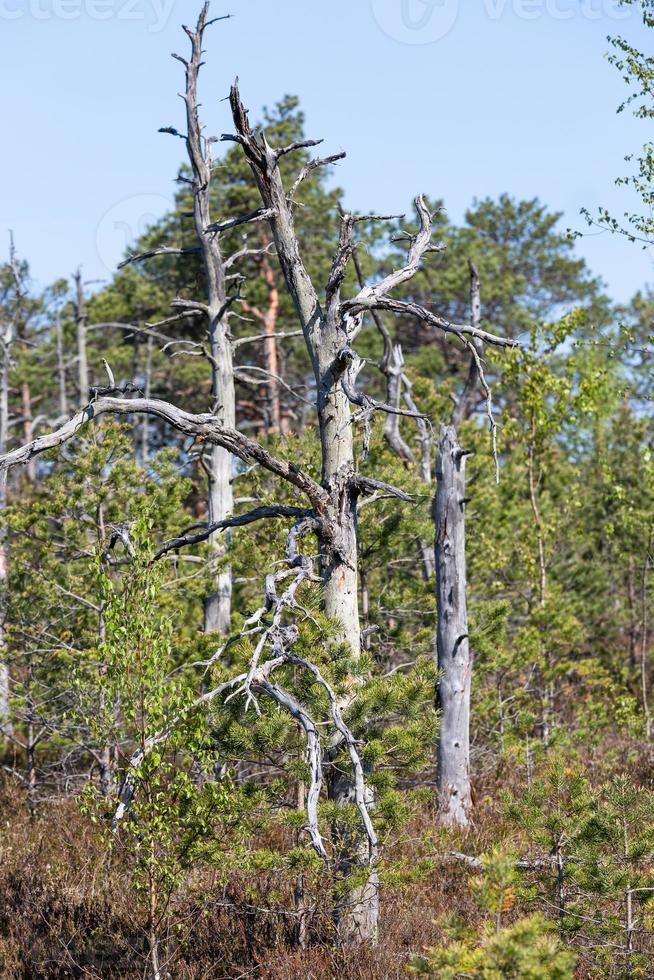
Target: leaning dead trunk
column 453, row 649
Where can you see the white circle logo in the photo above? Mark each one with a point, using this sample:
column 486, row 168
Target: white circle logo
column 416, row 21
column 124, row 223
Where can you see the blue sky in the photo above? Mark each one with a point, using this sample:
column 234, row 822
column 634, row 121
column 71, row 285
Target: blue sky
column 456, row 99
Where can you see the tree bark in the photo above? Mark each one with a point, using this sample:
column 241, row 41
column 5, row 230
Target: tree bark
column 453, row 649
column 268, row 321
column 218, row 465
column 61, row 366
column 147, row 391
column 220, row 499
column 80, row 324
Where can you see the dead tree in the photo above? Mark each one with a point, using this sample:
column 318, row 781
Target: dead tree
column 219, row 354
column 80, row 329
column 453, row 653
column 446, row 561
column 61, row 364
column 329, row 332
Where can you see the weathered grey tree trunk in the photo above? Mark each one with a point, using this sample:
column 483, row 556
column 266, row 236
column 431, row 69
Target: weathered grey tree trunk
column 61, row 365
column 453, row 653
column 218, row 463
column 453, row 648
column 26, row 402
column 356, row 908
column 80, row 324
column 220, row 498
column 19, row 334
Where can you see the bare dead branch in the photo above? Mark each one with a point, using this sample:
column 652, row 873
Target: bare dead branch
column 366, row 484
column 309, row 168
column 410, row 309
column 205, row 427
column 264, row 336
column 261, row 214
column 161, row 250
column 259, row 513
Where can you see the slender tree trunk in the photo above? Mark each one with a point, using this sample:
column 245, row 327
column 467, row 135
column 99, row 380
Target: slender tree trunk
column 18, row 332
column 80, row 323
column 549, row 692
column 270, row 345
column 268, row 321
column 105, row 753
column 629, row 924
column 299, row 900
column 633, row 617
column 153, row 939
column 147, row 391
column 61, row 366
column 26, row 409
column 30, row 744
column 218, row 604
column 533, row 498
column 220, row 499
column 453, row 649
column 26, row 399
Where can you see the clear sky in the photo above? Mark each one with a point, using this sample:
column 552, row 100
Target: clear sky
column 455, row 98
